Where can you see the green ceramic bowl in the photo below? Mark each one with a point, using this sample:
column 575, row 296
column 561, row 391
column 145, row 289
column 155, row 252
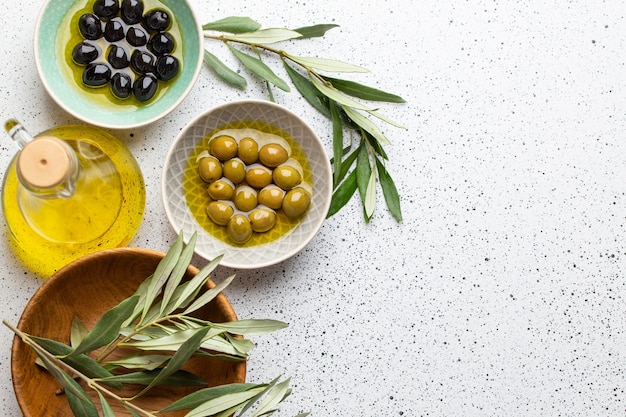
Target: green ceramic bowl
column 56, row 33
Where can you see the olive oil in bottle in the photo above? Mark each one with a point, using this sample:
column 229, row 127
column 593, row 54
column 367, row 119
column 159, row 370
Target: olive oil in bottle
column 70, row 191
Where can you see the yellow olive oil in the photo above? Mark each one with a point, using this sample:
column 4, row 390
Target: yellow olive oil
column 198, row 199
column 104, row 212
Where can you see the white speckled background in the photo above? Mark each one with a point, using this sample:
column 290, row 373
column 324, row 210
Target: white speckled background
column 503, row 291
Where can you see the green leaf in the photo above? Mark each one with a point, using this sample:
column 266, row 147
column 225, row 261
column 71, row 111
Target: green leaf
column 132, row 412
column 337, row 142
column 80, row 407
column 78, row 331
column 265, row 36
column 251, row 327
column 233, row 24
column 226, row 74
column 390, row 192
column 162, row 272
column 315, row 31
column 328, row 65
column 178, row 272
column 82, row 363
column 68, row 383
column 364, row 92
column 369, row 204
column 338, row 96
column 179, row 378
column 169, row 342
column 187, row 292
column 385, row 119
column 139, row 361
column 363, row 170
column 223, row 402
column 342, row 194
column 199, row 397
column 208, row 296
column 273, row 398
column 366, row 124
column 347, row 163
column 107, row 329
column 304, row 86
column 107, row 411
column 179, row 359
column 259, row 68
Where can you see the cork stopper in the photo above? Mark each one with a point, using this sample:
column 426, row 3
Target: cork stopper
column 44, row 162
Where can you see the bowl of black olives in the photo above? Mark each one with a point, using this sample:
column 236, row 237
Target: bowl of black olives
column 118, row 63
column 251, row 179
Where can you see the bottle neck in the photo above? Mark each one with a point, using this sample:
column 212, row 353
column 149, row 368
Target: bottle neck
column 48, row 167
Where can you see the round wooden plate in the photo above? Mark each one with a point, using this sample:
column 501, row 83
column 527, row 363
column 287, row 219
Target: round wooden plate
column 87, row 288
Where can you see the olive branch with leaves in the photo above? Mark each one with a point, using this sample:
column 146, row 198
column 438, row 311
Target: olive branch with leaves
column 157, row 325
column 357, row 165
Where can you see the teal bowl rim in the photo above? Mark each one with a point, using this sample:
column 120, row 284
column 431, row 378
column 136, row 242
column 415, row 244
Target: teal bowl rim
column 106, row 119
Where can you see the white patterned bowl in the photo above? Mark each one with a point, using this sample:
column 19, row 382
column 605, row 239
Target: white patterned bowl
column 186, row 145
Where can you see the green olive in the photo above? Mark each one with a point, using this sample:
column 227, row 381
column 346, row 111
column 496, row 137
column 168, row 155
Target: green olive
column 286, row 177
column 258, row 176
column 209, row 168
column 262, row 219
column 239, row 229
column 223, row 147
column 221, row 189
column 220, row 212
column 248, row 150
column 245, row 198
column 296, row 202
column 271, row 196
column 235, row 170
column 272, row 155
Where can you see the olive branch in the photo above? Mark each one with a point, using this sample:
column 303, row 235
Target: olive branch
column 357, row 164
column 157, row 324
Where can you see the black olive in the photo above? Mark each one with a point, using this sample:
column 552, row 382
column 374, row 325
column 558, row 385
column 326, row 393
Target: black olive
column 142, row 62
column 167, row 67
column 90, row 26
column 106, row 9
column 132, row 11
column 118, row 57
column 84, row 53
column 145, row 87
column 156, row 20
column 161, row 43
column 114, row 30
column 121, row 85
column 96, row 75
column 136, row 36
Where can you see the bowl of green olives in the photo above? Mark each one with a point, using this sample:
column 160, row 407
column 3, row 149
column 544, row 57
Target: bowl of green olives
column 252, row 179
column 118, row 63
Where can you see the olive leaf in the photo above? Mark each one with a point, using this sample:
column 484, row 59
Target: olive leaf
column 208, row 296
column 275, row 395
column 107, row 329
column 224, row 402
column 265, row 36
column 82, row 363
column 234, row 24
column 342, row 194
column 363, row 92
column 78, row 331
column 390, row 191
column 259, row 68
column 325, row 64
column 251, row 327
column 139, row 361
column 180, row 358
column 315, row 31
column 197, row 398
column 107, row 411
column 306, row 88
column 337, row 142
column 178, row 272
column 178, row 378
column 223, row 71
